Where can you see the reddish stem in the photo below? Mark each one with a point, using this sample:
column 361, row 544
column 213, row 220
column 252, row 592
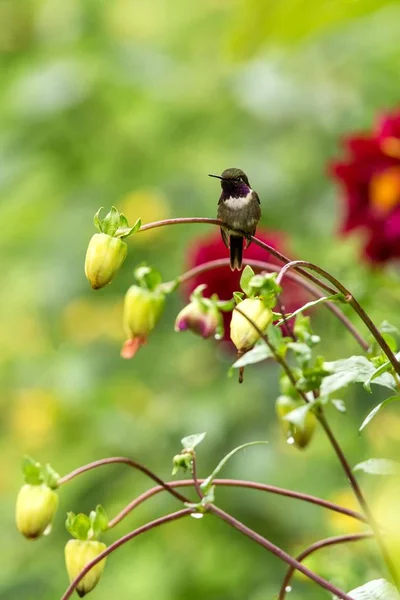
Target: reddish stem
column 123, row 540
column 339, row 539
column 240, row 484
column 259, row 539
column 258, row 264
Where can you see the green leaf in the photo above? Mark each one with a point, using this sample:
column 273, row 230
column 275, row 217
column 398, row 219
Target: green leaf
column 98, row 522
column 377, row 408
column 148, row 277
column 378, row 466
column 356, row 369
column 32, row 470
column 257, row 354
column 377, row 589
column 302, row 352
column 50, row 477
column 78, row 525
column 386, row 327
column 207, row 482
column 238, row 297
column 110, row 223
column 225, row 305
column 384, row 368
column 247, row 275
column 191, row 441
column 333, row 298
column 97, row 222
column 124, row 230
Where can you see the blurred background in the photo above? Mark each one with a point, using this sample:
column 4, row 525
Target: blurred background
column 133, row 103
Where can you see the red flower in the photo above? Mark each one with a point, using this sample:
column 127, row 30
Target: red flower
column 224, row 282
column 370, row 178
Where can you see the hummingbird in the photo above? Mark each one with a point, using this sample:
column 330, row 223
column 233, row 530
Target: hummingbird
column 239, row 209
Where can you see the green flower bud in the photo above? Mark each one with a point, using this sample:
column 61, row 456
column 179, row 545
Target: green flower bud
column 104, row 258
column 35, row 509
column 243, row 334
column 142, row 310
column 182, row 461
column 298, row 434
column 78, row 553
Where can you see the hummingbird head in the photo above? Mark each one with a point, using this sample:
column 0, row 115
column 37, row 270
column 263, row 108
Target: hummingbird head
column 234, row 183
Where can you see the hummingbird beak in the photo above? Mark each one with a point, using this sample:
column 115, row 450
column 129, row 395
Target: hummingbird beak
column 217, row 176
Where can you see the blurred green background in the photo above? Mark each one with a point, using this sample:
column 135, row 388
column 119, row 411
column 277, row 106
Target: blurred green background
column 133, row 103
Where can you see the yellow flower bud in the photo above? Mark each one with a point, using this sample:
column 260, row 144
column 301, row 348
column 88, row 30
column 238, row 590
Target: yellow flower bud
column 142, row 310
column 104, row 257
column 35, row 509
column 78, row 553
column 243, row 334
column 297, row 435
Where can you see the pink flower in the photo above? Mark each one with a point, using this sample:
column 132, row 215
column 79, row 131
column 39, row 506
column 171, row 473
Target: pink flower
column 223, row 282
column 370, row 180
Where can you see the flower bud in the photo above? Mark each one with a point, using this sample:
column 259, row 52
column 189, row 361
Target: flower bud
column 182, row 461
column 202, row 320
column 300, row 434
column 35, row 509
column 104, row 258
column 243, row 334
column 78, row 553
column 142, row 310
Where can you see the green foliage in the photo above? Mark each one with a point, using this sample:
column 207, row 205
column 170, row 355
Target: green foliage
column 378, row 466
column 378, row 589
column 36, row 474
column 84, row 527
column 115, row 224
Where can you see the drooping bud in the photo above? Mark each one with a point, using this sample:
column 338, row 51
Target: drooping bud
column 297, row 420
column 104, row 258
column 142, row 310
column 35, row 509
column 79, row 553
column 202, row 319
column 107, row 251
column 243, row 333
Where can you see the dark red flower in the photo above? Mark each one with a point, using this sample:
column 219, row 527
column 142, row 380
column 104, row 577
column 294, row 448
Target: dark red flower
column 370, row 179
column 224, row 282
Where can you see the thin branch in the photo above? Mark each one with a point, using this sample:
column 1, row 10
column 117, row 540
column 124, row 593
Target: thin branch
column 123, row 540
column 351, row 300
column 127, row 461
column 339, row 453
column 239, row 484
column 312, row 289
column 339, row 539
column 196, row 482
column 256, row 241
column 262, row 541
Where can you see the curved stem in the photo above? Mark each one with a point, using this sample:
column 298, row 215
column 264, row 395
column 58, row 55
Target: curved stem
column 362, row 501
column 351, row 300
column 256, row 241
column 339, row 539
column 240, row 484
column 126, row 461
column 339, row 453
column 123, row 540
column 258, row 264
column 262, row 541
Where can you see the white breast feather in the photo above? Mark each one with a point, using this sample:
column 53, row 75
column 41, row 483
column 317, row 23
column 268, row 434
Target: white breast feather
column 238, row 203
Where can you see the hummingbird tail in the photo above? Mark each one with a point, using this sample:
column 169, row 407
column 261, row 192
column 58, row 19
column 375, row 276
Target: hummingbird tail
column 236, row 252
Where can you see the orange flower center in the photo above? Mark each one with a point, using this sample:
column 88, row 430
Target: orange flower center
column 385, row 190
column 391, row 147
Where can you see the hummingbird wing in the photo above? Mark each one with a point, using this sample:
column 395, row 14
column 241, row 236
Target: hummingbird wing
column 256, row 197
column 225, row 237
